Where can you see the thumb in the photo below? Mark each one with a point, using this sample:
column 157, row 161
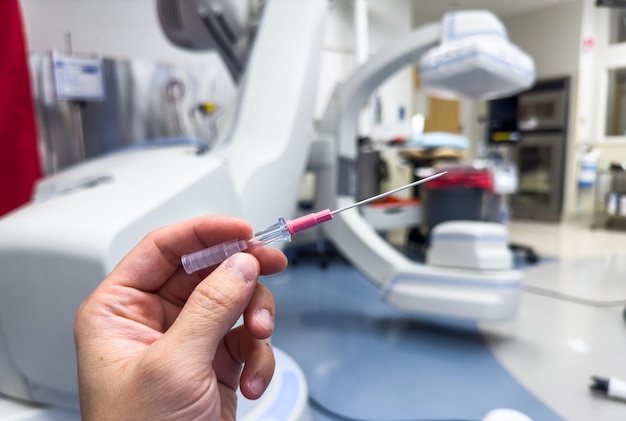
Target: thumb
column 214, row 306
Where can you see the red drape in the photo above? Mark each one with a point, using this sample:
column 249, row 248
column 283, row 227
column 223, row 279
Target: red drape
column 19, row 155
column 469, row 178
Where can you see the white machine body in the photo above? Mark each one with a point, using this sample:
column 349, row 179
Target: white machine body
column 475, row 59
column 54, row 252
column 474, row 245
column 420, row 289
column 455, row 293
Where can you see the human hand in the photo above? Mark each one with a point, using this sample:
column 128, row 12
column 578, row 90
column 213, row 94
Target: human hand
column 156, row 343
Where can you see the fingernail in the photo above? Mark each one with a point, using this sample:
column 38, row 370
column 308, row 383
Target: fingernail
column 257, row 385
column 265, row 319
column 243, row 264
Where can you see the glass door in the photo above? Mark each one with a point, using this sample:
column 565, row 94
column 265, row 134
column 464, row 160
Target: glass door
column 540, row 163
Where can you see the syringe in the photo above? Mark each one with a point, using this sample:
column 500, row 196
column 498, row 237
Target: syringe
column 282, row 230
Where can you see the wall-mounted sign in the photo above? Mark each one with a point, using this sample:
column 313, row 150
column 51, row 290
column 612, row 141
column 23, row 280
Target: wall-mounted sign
column 78, row 78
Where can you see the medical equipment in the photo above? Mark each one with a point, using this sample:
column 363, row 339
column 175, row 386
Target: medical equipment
column 474, row 245
column 282, row 230
column 406, row 285
column 225, row 26
column 475, row 59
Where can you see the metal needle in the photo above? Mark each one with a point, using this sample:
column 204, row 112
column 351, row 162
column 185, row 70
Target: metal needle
column 380, row 196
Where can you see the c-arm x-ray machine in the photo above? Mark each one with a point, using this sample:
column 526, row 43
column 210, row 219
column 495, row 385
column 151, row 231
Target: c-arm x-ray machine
column 54, row 252
column 403, row 283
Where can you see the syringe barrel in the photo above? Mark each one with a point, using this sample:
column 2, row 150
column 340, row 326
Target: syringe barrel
column 218, row 253
column 213, row 255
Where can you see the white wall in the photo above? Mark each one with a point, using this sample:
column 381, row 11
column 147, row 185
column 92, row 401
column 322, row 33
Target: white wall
column 551, row 36
column 388, row 20
column 120, row 28
column 112, row 28
column 593, row 93
column 594, row 82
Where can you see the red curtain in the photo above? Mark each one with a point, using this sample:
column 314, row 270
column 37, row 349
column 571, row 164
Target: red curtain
column 19, row 154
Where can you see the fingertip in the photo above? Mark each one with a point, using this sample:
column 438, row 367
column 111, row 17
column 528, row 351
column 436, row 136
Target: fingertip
column 256, row 387
column 259, row 316
column 258, row 368
column 264, row 318
column 272, row 260
column 245, row 265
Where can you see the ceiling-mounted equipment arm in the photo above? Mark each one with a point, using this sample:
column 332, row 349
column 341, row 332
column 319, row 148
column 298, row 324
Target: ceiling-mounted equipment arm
column 225, row 26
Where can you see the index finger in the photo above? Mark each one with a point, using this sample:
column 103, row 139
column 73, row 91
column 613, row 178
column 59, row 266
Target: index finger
column 157, row 256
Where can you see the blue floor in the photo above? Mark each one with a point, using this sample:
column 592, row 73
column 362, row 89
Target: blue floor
column 365, row 361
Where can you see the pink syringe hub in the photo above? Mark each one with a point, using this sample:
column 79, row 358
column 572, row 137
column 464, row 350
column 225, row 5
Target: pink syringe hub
column 309, row 221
